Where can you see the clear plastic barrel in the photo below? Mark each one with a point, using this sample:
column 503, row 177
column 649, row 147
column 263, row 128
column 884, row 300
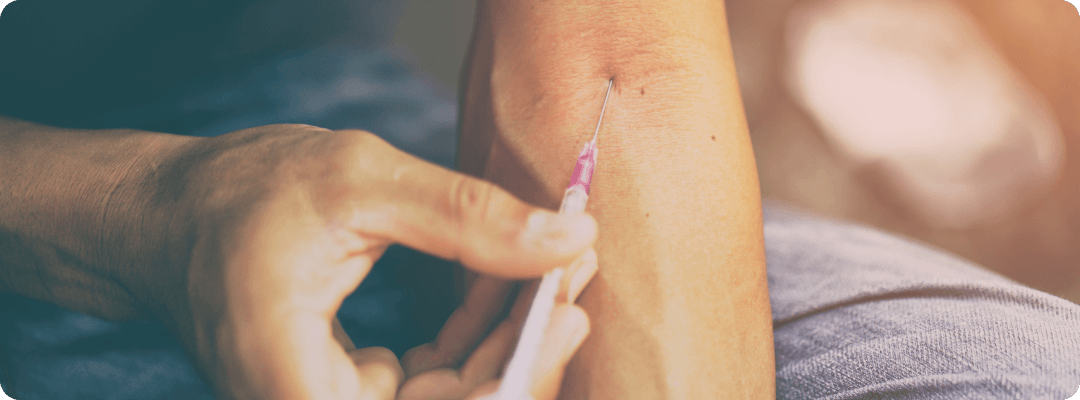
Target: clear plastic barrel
column 574, row 200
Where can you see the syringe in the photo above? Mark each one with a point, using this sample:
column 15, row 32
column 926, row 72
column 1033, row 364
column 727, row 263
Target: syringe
column 577, row 194
column 515, row 382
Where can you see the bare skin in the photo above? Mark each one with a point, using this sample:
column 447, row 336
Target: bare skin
column 680, row 306
column 246, row 244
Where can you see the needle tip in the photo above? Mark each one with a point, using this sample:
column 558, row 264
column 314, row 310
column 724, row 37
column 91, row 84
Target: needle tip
column 610, row 83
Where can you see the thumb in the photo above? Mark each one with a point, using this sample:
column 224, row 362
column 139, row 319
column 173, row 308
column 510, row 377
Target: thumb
column 566, row 332
column 457, row 217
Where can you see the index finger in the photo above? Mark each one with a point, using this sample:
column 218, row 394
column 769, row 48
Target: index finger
column 458, row 217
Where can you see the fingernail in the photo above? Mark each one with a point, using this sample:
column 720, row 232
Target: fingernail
column 559, row 233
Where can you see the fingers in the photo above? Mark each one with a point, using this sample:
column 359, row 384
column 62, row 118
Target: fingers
column 483, row 303
column 464, row 329
column 567, row 331
column 457, row 217
column 379, row 372
column 489, row 359
column 288, row 279
column 483, row 365
column 485, row 392
column 300, row 359
column 377, row 368
column 482, row 368
column 440, row 384
column 577, row 277
column 468, row 324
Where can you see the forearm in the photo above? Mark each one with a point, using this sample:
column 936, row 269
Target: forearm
column 74, row 215
column 680, row 305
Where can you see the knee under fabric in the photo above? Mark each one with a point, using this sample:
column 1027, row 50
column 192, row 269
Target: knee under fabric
column 862, row 314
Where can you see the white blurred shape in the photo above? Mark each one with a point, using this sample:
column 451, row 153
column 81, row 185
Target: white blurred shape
column 3, row 6
column 1073, row 2
column 915, row 90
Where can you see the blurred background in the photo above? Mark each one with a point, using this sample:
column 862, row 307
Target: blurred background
column 435, row 34
column 952, row 122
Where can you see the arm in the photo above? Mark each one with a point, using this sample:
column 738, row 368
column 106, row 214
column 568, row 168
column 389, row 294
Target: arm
column 74, row 216
column 246, row 244
column 680, row 306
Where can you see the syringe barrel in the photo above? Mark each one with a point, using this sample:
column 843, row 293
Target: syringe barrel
column 574, row 200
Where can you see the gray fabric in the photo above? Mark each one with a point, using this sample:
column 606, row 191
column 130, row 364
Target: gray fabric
column 861, row 314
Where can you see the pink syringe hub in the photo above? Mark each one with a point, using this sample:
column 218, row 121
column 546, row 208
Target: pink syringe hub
column 583, row 170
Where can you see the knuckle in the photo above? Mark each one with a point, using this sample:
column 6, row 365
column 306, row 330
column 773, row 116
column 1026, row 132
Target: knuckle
column 357, row 139
column 470, row 201
column 358, row 133
column 298, row 127
column 358, row 149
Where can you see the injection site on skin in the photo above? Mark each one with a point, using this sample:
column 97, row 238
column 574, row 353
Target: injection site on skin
column 516, row 381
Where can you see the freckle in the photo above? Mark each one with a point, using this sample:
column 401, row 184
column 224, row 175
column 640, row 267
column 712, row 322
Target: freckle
column 642, row 91
column 646, row 215
column 714, row 138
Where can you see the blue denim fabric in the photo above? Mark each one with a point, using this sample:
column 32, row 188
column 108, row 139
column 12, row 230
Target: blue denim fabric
column 858, row 314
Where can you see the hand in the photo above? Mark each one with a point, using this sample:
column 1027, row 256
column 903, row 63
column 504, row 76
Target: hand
column 285, row 221
column 430, row 367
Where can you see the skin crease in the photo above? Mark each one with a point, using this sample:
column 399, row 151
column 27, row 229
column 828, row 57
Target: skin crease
column 230, row 241
column 680, row 307
column 674, row 323
column 245, row 245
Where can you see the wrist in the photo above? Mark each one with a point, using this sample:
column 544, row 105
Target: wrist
column 146, row 221
column 75, row 220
